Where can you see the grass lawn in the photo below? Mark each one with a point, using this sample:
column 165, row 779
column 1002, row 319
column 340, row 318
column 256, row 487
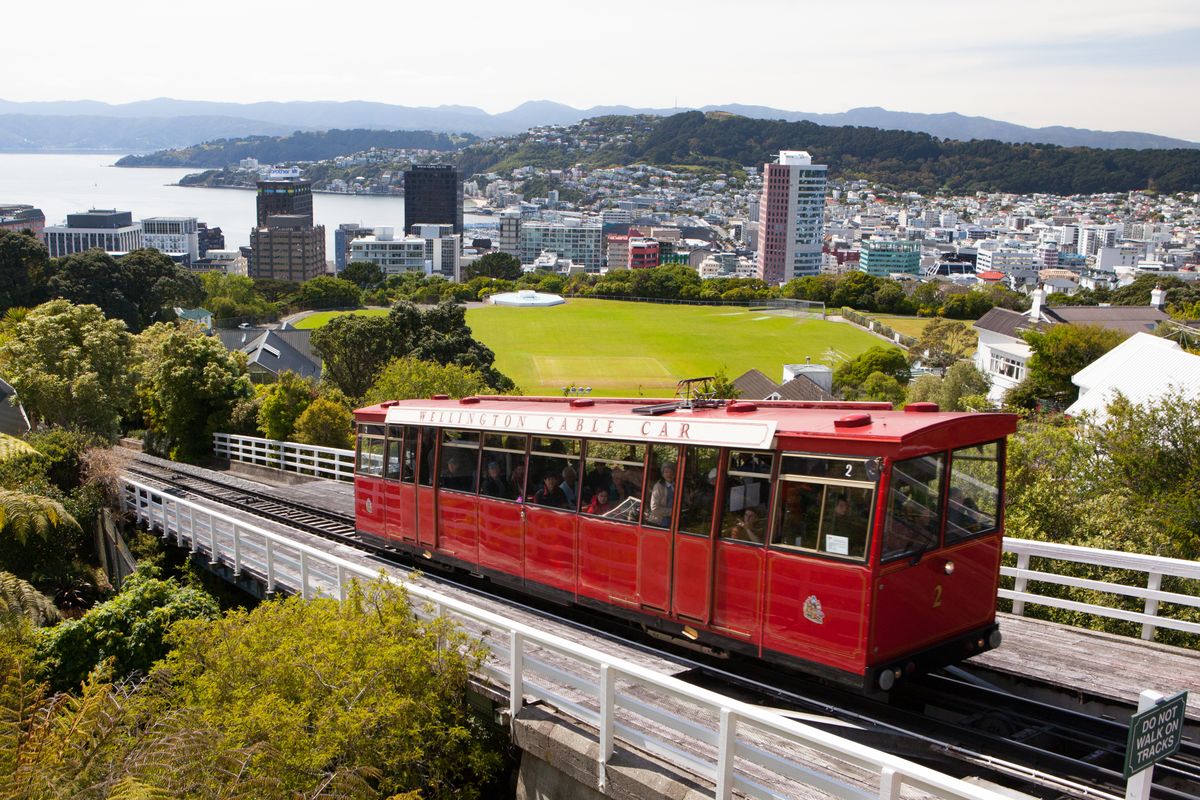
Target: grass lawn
column 631, row 349
column 318, row 319
column 910, row 326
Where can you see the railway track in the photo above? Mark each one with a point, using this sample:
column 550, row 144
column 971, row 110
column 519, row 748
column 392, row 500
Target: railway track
column 948, row 721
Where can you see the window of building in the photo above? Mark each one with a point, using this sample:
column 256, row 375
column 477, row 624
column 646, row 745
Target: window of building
column 1007, row 367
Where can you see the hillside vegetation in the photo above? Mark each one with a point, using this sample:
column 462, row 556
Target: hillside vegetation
column 298, row 146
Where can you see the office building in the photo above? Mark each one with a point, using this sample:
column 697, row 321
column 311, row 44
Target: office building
column 428, row 250
column 19, row 217
column 346, row 233
column 644, row 253
column 791, row 218
column 510, row 233
column 581, row 242
column 884, row 257
column 289, row 248
column 209, row 238
column 110, row 230
column 284, row 193
column 433, row 195
column 176, row 237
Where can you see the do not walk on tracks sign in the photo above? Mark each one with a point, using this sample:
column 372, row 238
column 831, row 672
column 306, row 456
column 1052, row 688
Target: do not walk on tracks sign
column 1155, row 733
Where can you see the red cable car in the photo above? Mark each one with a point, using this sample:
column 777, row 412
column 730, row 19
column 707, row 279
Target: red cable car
column 848, row 540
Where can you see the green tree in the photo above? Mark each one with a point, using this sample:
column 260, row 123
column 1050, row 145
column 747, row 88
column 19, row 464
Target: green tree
column 407, row 378
column 722, row 386
column 363, row 274
column 283, row 402
column 235, row 298
column 356, row 688
column 849, row 376
column 191, row 390
column 23, row 260
column 140, row 288
column 130, row 629
column 70, row 366
column 942, row 343
column 957, row 390
column 501, row 266
column 325, row 291
column 325, row 424
column 1058, row 354
column 354, row 349
column 881, row 387
column 20, row 598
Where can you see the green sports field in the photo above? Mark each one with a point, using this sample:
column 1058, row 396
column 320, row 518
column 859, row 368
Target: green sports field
column 631, row 349
column 319, row 318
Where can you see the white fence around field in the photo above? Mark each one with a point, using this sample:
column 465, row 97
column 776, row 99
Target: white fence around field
column 307, row 459
column 713, row 736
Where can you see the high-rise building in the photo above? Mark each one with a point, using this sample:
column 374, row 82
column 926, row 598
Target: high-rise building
column 582, row 242
column 19, row 217
column 791, row 218
column 883, row 257
column 176, row 237
column 209, row 238
column 289, row 248
column 284, row 193
column 110, row 230
column 443, row 249
column 510, row 233
column 433, row 195
column 346, row 233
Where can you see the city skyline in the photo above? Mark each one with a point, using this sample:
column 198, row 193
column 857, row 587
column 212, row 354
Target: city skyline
column 1101, row 65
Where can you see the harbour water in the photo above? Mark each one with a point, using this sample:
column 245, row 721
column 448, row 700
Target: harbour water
column 62, row 184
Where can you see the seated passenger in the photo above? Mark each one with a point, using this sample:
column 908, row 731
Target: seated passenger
column 551, row 494
column 570, row 485
column 601, row 503
column 748, row 528
column 662, row 498
column 493, row 483
column 517, row 481
column 458, row 476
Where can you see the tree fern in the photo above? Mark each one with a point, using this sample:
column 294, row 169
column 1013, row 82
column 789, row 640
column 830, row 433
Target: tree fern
column 23, row 515
column 18, row 597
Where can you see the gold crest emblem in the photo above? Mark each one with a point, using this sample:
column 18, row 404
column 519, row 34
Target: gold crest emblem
column 813, row 611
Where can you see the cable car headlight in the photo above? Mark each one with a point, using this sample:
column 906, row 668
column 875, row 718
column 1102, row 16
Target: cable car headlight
column 948, row 568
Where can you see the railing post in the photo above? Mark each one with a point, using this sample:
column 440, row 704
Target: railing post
column 726, row 745
column 193, row 546
column 1154, row 583
column 1020, row 583
column 162, row 504
column 213, row 560
column 608, row 684
column 516, row 668
column 270, row 566
column 889, row 784
column 304, row 575
column 237, row 551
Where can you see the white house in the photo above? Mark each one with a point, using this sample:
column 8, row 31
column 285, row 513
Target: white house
column 1143, row 368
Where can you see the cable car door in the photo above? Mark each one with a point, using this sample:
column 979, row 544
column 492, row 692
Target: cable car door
column 691, row 584
column 426, row 521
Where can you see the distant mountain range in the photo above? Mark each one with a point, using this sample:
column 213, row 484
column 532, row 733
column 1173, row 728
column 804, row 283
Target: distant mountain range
column 166, row 123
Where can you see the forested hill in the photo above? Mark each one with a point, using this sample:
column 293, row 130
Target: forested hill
column 905, row 160
column 298, row 146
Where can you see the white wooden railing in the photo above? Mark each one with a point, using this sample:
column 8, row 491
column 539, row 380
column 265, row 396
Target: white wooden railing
column 715, row 737
column 308, row 459
column 1154, row 567
column 338, row 464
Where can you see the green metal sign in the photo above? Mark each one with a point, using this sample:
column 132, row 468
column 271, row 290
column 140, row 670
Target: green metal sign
column 1155, row 734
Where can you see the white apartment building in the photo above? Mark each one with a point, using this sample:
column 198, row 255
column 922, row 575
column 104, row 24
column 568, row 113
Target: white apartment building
column 176, row 237
column 1108, row 259
column 436, row 254
column 109, row 230
column 582, row 242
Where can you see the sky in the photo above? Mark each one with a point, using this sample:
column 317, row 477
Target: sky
column 1103, row 64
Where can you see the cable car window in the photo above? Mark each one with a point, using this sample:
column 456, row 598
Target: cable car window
column 612, row 480
column 370, row 456
column 800, row 514
column 408, row 461
column 392, row 470
column 503, row 466
column 973, row 503
column 825, row 504
column 861, row 470
column 554, row 472
column 699, row 487
column 425, row 462
column 658, row 501
column 914, row 506
column 746, row 499
column 460, row 461
column 370, row 430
